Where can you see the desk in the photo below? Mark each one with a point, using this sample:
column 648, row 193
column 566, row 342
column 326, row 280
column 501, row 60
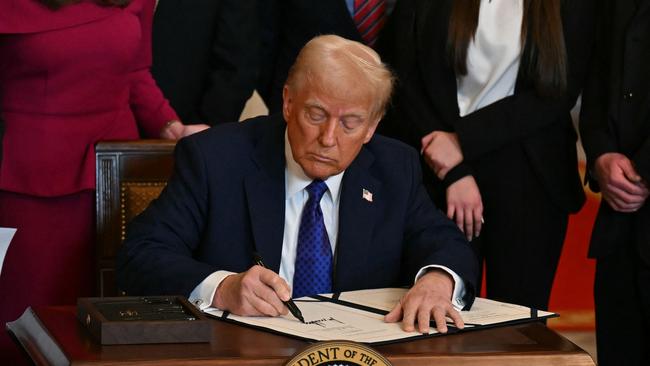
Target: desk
column 52, row 335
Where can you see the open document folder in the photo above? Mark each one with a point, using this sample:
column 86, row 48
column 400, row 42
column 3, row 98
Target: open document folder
column 359, row 316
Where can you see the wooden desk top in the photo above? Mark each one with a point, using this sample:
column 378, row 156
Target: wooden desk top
column 52, row 335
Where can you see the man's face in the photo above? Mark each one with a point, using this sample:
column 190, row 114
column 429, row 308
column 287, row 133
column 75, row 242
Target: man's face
column 326, row 132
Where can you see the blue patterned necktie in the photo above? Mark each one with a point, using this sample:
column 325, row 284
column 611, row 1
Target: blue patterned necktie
column 313, row 268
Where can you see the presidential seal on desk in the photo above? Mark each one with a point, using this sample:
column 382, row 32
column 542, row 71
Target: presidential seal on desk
column 338, row 353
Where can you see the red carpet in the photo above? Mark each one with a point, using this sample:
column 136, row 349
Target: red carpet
column 572, row 294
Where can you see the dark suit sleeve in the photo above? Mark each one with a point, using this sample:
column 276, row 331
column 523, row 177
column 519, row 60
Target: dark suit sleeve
column 234, row 63
column 156, row 258
column 641, row 160
column 525, row 113
column 432, row 239
column 596, row 129
column 410, row 115
column 595, row 132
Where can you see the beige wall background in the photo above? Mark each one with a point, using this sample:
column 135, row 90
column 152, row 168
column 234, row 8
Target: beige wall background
column 254, row 107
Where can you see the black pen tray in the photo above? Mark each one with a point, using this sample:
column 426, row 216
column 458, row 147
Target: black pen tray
column 143, row 320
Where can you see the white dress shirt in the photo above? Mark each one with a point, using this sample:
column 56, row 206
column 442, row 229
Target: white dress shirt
column 493, row 56
column 296, row 197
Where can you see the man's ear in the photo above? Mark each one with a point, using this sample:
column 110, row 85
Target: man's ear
column 286, row 102
column 371, row 130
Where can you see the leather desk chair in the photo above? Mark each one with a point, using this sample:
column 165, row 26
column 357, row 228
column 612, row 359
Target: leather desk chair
column 130, row 174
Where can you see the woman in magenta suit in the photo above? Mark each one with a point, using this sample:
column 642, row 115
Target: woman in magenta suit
column 72, row 73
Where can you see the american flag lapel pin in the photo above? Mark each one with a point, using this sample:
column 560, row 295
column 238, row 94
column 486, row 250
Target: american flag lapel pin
column 366, row 195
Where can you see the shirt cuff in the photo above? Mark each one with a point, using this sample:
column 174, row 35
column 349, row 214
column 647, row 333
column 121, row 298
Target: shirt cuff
column 457, row 297
column 203, row 293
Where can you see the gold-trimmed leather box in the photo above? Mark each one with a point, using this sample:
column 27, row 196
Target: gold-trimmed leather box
column 143, row 320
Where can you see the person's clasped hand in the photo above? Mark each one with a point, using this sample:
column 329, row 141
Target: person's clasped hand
column 429, row 298
column 441, row 151
column 622, row 187
column 175, row 130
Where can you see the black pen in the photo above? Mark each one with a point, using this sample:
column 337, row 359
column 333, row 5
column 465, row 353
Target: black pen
column 289, row 303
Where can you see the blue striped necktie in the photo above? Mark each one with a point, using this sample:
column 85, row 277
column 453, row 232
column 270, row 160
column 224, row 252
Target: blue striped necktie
column 313, row 267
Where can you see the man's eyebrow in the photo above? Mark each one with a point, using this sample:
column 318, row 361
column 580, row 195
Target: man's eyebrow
column 353, row 114
column 314, row 105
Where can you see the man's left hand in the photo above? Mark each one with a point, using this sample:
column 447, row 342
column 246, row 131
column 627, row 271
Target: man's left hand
column 429, row 297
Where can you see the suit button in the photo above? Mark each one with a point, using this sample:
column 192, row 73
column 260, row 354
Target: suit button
column 628, row 96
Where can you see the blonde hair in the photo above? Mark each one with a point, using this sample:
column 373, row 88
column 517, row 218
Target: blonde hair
column 329, row 62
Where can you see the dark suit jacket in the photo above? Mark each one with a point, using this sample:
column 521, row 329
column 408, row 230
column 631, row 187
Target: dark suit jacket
column 206, row 56
column 289, row 25
column 216, row 211
column 616, row 114
column 414, row 44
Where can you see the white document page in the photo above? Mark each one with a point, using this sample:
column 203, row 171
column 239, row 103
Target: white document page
column 327, row 320
column 6, row 234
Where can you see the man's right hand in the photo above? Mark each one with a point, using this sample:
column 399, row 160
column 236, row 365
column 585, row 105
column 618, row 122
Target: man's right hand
column 256, row 292
column 622, row 187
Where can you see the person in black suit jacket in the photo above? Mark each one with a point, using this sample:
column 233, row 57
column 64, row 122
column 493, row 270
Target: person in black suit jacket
column 206, row 57
column 615, row 129
column 498, row 150
column 288, row 25
column 199, row 237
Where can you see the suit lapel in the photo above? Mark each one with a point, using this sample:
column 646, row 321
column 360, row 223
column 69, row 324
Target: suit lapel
column 431, row 28
column 265, row 192
column 357, row 219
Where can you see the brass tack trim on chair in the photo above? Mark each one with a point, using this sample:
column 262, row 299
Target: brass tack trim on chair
column 134, row 198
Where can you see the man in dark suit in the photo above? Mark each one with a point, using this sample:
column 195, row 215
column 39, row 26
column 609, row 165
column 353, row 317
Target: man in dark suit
column 615, row 128
column 289, row 24
column 206, row 57
column 240, row 189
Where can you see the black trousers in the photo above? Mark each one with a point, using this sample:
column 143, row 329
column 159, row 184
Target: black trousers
column 622, row 299
column 524, row 230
